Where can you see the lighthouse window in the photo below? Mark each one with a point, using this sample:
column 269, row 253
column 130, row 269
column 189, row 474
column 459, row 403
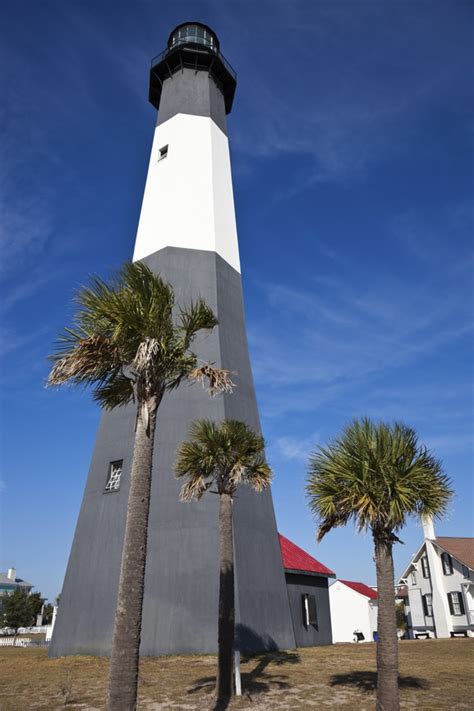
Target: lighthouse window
column 115, row 473
column 194, row 34
column 162, row 153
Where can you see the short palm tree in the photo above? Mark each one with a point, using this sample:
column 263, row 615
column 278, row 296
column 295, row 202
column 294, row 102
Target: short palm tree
column 377, row 474
column 132, row 344
column 223, row 456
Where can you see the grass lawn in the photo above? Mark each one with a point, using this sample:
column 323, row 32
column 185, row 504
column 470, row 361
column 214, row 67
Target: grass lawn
column 435, row 674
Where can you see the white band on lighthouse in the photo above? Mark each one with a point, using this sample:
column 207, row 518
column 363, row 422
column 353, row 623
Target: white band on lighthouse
column 188, row 200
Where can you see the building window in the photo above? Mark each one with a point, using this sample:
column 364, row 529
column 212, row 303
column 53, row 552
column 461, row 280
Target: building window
column 456, row 603
column 309, row 610
column 413, row 578
column 424, row 567
column 115, row 473
column 427, row 605
column 163, row 152
column 447, row 563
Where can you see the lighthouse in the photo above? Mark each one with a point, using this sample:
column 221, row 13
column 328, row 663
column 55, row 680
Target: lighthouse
column 186, row 233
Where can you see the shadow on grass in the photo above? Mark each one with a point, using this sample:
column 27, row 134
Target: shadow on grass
column 253, row 681
column 367, row 681
column 257, row 680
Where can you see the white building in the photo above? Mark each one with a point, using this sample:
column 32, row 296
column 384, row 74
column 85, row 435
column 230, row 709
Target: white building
column 10, row 582
column 440, row 584
column 353, row 611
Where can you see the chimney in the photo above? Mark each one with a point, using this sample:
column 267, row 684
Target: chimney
column 428, row 527
column 11, row 575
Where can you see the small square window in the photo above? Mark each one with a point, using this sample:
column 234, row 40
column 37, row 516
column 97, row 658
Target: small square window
column 162, row 153
column 115, row 473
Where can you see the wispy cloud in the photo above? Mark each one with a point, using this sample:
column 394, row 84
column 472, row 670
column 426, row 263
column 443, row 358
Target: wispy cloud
column 423, row 403
column 451, row 442
column 348, row 328
column 347, row 115
column 342, row 335
column 38, row 135
column 25, row 228
column 25, row 216
column 296, row 448
column 429, row 236
column 23, row 290
column 11, row 340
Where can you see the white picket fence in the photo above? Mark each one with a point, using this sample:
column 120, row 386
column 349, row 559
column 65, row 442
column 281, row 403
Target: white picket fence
column 42, row 629
column 12, row 642
column 24, row 642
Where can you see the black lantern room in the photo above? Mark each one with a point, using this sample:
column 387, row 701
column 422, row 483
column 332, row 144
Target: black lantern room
column 194, row 46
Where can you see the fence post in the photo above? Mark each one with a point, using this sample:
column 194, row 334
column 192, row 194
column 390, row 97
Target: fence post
column 238, row 684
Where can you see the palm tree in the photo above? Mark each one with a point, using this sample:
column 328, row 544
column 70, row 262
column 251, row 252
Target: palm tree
column 377, row 474
column 132, row 344
column 223, row 455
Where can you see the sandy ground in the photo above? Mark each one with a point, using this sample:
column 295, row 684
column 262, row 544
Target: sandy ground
column 435, row 674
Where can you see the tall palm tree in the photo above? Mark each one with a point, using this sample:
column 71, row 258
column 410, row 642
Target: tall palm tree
column 132, row 344
column 377, row 474
column 223, row 455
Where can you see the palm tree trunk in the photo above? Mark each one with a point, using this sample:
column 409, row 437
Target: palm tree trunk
column 123, row 673
column 387, row 645
column 224, row 684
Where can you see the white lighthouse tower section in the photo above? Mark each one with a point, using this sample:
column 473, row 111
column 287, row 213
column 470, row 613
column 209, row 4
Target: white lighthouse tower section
column 188, row 200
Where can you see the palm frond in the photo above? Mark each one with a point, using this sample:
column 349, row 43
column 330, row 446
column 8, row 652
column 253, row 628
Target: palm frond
column 218, row 380
column 227, row 453
column 377, row 475
column 127, row 325
column 196, row 317
column 258, row 475
column 115, row 392
column 83, row 359
column 194, row 488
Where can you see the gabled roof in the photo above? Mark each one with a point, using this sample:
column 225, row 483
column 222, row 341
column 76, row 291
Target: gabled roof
column 361, row 588
column 411, row 564
column 5, row 580
column 296, row 560
column 460, row 548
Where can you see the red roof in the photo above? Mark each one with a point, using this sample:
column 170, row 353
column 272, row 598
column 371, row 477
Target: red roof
column 295, row 558
column 361, row 588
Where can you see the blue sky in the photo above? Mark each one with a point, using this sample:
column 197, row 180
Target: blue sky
column 351, row 141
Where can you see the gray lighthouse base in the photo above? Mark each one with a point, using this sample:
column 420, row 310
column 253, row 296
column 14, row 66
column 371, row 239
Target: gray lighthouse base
column 181, row 584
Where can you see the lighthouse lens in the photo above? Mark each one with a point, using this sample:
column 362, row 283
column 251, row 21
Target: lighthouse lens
column 194, row 34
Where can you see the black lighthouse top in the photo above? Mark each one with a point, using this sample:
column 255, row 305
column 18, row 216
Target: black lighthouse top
column 195, row 46
column 194, row 33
